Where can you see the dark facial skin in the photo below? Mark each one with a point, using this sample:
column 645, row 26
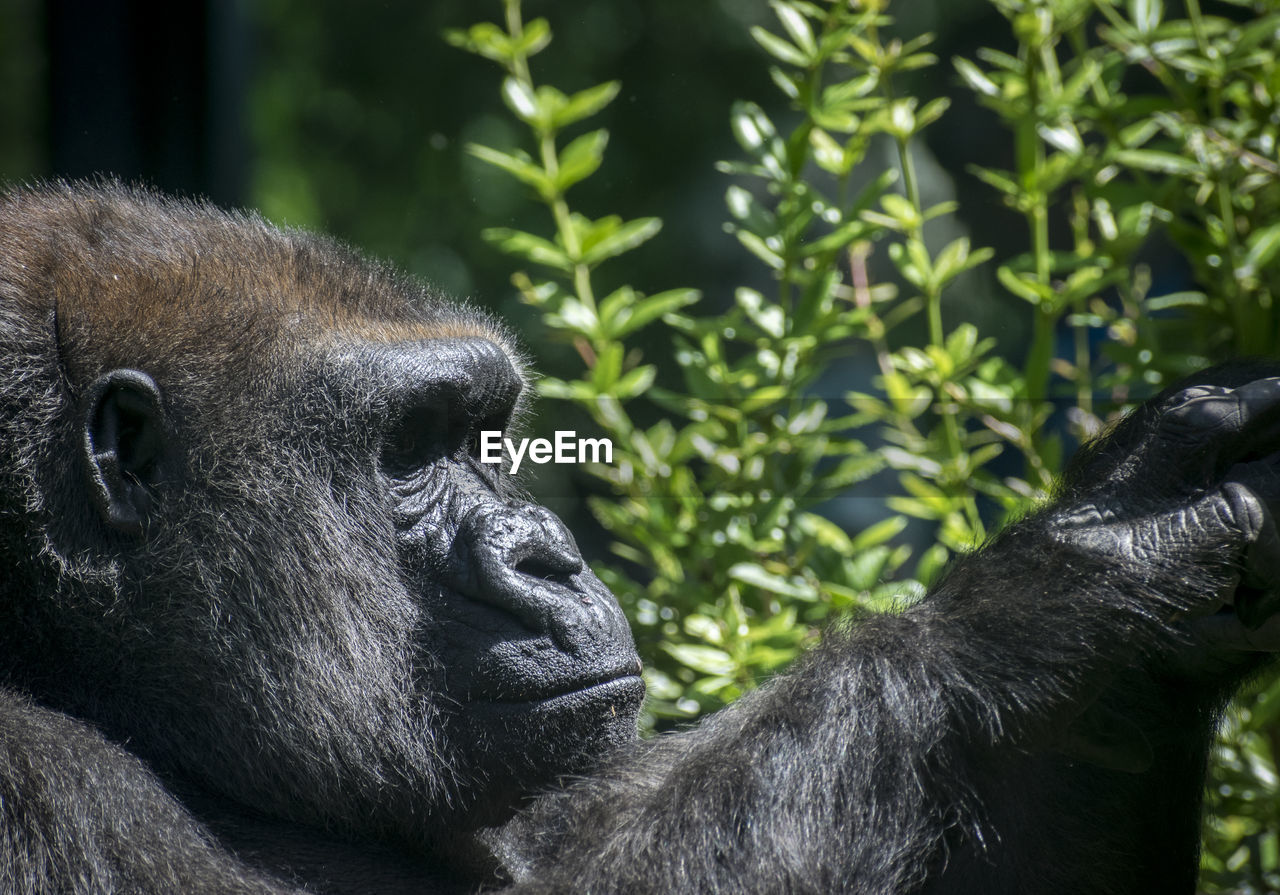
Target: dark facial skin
column 514, row 585
column 528, row 637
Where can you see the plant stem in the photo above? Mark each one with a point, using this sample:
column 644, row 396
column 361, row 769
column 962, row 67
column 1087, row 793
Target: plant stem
column 937, row 335
column 519, row 69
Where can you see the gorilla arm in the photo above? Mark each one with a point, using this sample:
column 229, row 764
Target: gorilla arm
column 77, row 812
column 1039, row 722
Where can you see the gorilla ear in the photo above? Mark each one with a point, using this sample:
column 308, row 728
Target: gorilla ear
column 123, row 444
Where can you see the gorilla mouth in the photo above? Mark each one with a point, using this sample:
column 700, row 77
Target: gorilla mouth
column 492, row 659
column 604, row 687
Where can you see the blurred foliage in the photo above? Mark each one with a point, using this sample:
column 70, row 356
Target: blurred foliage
column 22, row 69
column 1129, row 126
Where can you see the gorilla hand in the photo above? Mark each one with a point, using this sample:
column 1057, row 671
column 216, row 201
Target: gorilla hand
column 1201, row 489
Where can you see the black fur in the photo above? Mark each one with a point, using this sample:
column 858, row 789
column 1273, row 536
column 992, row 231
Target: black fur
column 266, row 624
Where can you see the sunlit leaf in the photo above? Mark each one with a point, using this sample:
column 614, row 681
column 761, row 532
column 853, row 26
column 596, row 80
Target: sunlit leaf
column 585, row 103
column 581, row 158
column 528, row 246
column 624, row 239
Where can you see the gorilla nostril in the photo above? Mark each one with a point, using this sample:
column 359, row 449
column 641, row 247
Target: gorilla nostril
column 559, row 569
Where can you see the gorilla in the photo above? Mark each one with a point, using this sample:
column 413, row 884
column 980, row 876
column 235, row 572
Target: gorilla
column 267, row 625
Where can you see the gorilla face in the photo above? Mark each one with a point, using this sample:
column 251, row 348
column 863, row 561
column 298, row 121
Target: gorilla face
column 306, row 592
column 413, row 605
column 531, row 654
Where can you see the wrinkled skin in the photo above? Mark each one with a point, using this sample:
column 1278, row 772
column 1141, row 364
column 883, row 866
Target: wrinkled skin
column 267, row 624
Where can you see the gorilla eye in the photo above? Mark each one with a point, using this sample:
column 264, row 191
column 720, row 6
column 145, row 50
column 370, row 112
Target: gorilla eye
column 418, row 438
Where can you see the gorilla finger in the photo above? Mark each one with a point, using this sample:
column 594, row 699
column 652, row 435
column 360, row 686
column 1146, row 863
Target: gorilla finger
column 1258, row 597
column 1227, row 425
column 1253, row 493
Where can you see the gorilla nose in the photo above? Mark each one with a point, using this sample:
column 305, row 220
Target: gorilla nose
column 523, row 560
column 550, row 554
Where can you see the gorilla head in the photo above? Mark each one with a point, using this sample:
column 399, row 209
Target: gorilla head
column 265, row 553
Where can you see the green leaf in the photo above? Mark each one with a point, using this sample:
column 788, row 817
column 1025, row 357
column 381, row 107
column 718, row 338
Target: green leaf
column 844, row 93
column 484, row 39
column 521, row 100
column 1263, row 245
column 902, row 118
column 766, row 315
column 757, row 576
column 518, row 165
column 787, row 83
column 1146, row 14
column 920, row 509
column 635, row 381
column 974, row 77
column 797, row 27
column 962, row 342
column 528, row 246
column 908, row 400
column 585, row 103
column 837, row 238
column 576, row 317
column 581, row 158
column 754, row 216
column 537, row 34
column 704, row 659
column 616, row 306
column 902, row 211
column 1177, row 300
column 704, row 628
column 1157, row 161
column 1139, row 132
column 1001, row 60
column 1000, row 180
column 752, row 128
column 756, row 246
column 826, row 533
column 865, row 567
column 881, row 532
column 550, row 387
column 1024, row 286
column 1063, row 136
column 829, row 155
column 778, row 48
column 624, row 239
column 931, row 563
column 931, row 112
column 852, row 470
column 950, row 261
column 649, row 309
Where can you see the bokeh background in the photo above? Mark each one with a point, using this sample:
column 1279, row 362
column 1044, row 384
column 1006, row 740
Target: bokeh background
column 351, row 118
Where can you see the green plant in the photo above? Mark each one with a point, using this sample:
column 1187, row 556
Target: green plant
column 1127, row 123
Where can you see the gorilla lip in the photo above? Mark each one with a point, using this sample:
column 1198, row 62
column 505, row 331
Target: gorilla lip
column 591, row 688
column 566, row 686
